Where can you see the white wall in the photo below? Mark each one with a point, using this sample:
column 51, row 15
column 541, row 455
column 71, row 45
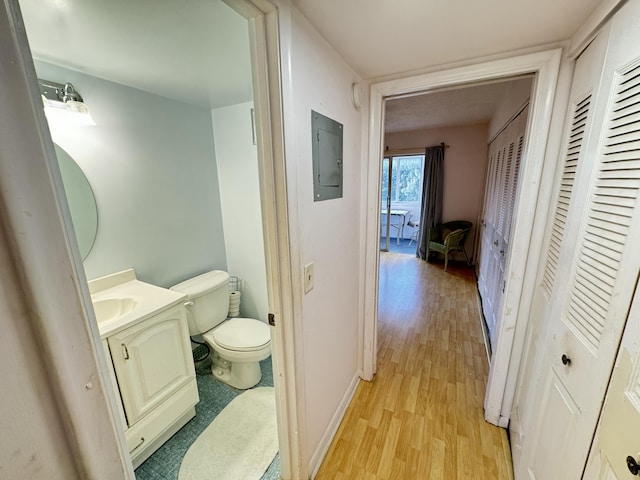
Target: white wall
column 32, row 429
column 465, row 164
column 237, row 161
column 516, row 93
column 151, row 164
column 327, row 232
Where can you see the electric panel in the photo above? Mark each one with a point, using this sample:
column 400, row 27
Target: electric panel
column 327, row 157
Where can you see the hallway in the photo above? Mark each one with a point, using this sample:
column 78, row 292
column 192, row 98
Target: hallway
column 422, row 416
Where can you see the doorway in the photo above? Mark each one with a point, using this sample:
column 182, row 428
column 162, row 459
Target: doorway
column 545, row 66
column 268, row 154
column 478, row 186
column 402, row 179
column 159, row 181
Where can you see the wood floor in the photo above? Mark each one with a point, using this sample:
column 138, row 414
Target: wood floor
column 422, row 415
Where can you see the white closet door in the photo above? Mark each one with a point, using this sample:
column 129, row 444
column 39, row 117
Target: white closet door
column 505, row 153
column 486, row 234
column 617, row 436
column 491, row 241
column 587, row 318
column 573, row 179
column 508, row 195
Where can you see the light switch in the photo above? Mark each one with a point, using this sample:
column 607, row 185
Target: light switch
column 308, row 277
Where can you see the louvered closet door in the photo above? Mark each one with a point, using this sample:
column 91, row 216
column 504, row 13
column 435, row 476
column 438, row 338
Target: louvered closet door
column 588, row 319
column 567, row 181
column 505, row 153
column 507, row 192
column 486, row 234
column 491, row 287
column 531, row 427
column 524, row 401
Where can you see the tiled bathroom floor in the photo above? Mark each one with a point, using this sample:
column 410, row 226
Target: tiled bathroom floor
column 164, row 464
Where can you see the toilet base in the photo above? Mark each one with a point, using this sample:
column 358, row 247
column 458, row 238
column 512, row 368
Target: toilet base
column 240, row 375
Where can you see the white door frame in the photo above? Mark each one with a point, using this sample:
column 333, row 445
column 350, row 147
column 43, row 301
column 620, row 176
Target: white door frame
column 48, row 266
column 265, row 28
column 545, row 65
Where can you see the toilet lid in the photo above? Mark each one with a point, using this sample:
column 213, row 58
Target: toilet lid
column 242, row 334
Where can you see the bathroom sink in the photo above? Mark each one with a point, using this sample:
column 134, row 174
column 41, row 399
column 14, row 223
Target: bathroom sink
column 109, row 309
column 121, row 301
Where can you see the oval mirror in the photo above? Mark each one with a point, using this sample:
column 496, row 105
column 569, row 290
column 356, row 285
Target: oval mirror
column 82, row 203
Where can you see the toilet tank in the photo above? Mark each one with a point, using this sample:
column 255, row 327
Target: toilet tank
column 208, row 300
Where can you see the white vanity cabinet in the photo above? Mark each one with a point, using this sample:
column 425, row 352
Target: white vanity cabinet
column 155, row 376
column 145, row 334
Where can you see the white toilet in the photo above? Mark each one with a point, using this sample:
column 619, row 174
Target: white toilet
column 237, row 344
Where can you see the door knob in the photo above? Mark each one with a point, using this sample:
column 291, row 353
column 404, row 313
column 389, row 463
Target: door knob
column 633, row 466
column 566, row 360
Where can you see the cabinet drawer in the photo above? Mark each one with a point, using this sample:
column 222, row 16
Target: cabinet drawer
column 142, row 437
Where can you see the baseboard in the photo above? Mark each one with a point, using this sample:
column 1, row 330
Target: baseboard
column 503, row 422
column 332, row 428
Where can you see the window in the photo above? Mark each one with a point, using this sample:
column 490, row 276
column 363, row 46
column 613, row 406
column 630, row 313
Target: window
column 406, row 179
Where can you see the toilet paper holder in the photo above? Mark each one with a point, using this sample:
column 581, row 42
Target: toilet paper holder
column 235, row 284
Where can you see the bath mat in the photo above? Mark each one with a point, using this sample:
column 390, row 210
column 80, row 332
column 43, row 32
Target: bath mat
column 240, row 443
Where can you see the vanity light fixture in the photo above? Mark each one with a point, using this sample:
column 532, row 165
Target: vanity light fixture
column 59, row 98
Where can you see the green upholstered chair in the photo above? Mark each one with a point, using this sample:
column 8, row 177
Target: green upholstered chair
column 448, row 237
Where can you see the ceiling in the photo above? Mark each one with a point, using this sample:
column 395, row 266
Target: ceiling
column 385, row 37
column 194, row 51
column 197, row 51
column 462, row 106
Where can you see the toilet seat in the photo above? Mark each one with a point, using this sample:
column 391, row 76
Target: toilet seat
column 241, row 334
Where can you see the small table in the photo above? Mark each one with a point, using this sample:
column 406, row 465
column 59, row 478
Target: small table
column 401, row 221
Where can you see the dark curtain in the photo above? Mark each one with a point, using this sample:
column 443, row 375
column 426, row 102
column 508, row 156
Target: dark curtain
column 432, row 187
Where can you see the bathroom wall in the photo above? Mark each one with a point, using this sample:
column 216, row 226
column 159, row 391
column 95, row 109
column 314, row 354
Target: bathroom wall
column 326, row 233
column 237, row 162
column 150, row 161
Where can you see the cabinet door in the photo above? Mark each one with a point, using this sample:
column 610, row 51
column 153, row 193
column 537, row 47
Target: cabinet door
column 152, row 361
